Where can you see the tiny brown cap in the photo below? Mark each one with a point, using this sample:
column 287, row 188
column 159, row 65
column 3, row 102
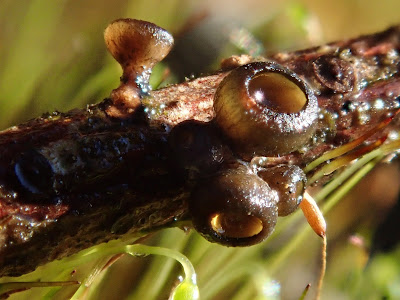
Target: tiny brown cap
column 137, row 45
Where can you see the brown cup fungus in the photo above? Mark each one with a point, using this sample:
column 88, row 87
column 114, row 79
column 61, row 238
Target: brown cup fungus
column 234, row 208
column 265, row 109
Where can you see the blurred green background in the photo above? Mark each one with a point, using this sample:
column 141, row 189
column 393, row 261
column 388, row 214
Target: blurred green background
column 52, row 57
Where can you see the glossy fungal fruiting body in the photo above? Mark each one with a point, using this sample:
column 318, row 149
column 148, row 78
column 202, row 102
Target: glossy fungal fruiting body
column 261, row 109
column 234, row 207
column 265, row 109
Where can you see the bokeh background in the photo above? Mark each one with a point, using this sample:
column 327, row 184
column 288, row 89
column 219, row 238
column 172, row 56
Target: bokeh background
column 52, row 57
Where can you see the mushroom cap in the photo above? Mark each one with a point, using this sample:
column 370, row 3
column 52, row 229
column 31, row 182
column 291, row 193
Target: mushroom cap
column 137, row 44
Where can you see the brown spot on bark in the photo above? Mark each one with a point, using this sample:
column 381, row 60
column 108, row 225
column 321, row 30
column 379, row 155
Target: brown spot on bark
column 334, row 73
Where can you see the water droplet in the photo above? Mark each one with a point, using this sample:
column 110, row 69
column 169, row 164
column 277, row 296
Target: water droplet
column 379, row 104
column 393, row 135
column 363, row 118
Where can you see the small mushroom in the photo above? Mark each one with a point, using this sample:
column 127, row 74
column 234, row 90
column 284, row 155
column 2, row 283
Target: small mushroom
column 137, row 46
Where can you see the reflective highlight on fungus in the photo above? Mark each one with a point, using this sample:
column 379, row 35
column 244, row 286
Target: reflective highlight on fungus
column 265, row 109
